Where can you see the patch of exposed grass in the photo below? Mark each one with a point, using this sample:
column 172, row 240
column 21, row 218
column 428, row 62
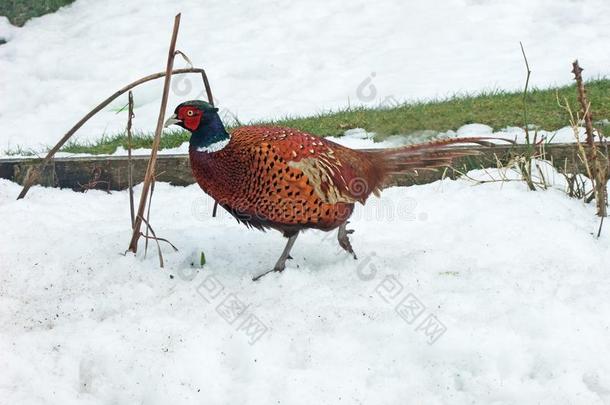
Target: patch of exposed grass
column 497, row 109
column 109, row 144
column 20, row 151
column 19, row 11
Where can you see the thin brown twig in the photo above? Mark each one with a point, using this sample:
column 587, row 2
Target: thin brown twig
column 526, row 165
column 94, row 181
column 93, row 185
column 129, row 160
column 152, row 191
column 186, row 58
column 162, row 240
column 208, row 89
column 150, row 171
column 606, row 176
column 527, row 82
column 154, row 237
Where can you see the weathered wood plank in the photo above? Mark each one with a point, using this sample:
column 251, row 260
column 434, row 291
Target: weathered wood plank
column 110, row 172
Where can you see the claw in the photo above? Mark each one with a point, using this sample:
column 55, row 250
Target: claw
column 344, row 241
column 255, row 278
column 281, row 263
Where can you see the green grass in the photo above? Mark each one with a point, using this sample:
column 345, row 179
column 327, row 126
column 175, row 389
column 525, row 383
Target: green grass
column 497, row 109
column 109, row 144
column 19, row 11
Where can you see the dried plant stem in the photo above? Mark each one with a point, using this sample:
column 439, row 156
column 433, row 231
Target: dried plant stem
column 527, row 82
column 582, row 154
column 184, row 56
column 34, row 174
column 525, row 165
column 129, row 161
column 150, row 171
column 149, row 228
column 160, row 239
column 154, row 237
column 598, row 173
column 502, row 174
column 150, row 196
column 584, row 102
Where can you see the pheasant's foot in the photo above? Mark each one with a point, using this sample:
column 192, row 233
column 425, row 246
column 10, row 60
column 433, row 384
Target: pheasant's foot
column 281, row 263
column 343, row 238
column 255, row 278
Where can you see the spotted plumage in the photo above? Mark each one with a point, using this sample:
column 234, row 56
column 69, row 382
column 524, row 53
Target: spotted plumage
column 268, row 179
column 289, row 180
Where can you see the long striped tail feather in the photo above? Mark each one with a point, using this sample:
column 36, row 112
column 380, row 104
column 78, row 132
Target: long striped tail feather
column 425, row 156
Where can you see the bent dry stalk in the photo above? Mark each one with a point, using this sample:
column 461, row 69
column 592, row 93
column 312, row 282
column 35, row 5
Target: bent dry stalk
column 150, row 171
column 34, row 174
column 130, row 162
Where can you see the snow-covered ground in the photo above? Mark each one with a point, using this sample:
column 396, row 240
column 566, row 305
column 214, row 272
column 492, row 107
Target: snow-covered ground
column 268, row 59
column 462, row 294
column 359, row 138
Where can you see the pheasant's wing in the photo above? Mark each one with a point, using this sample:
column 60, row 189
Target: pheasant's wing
column 337, row 174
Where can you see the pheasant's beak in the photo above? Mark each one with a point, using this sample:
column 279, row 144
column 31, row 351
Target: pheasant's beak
column 171, row 121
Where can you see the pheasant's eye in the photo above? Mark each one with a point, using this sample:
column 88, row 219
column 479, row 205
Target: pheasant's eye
column 190, row 113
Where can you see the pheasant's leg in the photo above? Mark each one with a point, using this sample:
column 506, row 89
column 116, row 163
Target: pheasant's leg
column 281, row 262
column 343, row 239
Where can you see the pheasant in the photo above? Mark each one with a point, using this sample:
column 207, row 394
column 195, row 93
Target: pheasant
column 272, row 177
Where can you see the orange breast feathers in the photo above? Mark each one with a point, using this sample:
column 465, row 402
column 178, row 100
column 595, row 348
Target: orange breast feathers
column 336, row 174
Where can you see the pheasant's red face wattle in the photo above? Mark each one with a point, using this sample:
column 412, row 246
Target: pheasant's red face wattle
column 190, row 117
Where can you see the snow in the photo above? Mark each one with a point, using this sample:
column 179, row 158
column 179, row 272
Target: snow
column 562, row 135
column 515, row 281
column 295, row 59
column 359, row 138
column 463, row 292
column 6, row 29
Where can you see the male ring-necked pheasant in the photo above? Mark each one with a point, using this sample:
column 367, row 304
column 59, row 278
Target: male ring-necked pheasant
column 289, row 180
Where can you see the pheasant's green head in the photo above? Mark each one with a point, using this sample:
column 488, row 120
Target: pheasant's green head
column 202, row 120
column 190, row 115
